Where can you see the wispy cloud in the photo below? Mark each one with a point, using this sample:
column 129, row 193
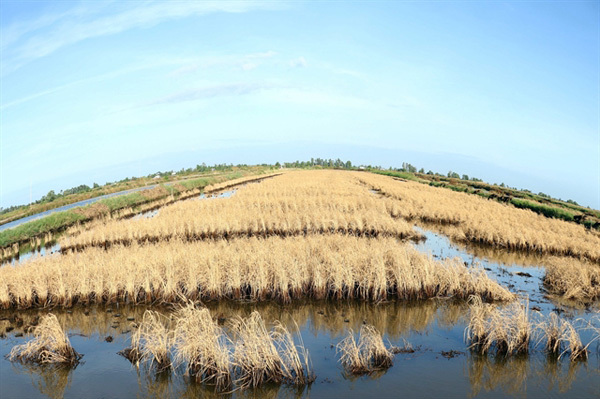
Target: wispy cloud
column 27, row 41
column 230, row 89
column 245, row 62
column 299, row 62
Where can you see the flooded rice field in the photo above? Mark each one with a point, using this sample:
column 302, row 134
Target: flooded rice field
column 52, row 247
column 433, row 359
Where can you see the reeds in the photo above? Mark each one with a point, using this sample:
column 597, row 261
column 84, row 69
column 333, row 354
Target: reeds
column 49, row 345
column 367, row 355
column 151, row 342
column 470, row 218
column 561, row 337
column 329, row 267
column 202, row 346
column 504, row 330
column 262, row 356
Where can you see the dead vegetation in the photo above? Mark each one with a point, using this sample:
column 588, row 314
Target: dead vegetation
column 151, row 342
column 470, row 218
column 504, row 331
column 250, row 356
column 510, row 330
column 293, row 204
column 367, row 355
column 262, row 356
column 50, row 345
column 326, row 267
column 573, row 279
column 202, row 347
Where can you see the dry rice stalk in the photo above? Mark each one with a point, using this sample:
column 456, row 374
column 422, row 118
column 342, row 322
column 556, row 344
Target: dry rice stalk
column 202, row 345
column 507, row 331
column 551, row 331
column 574, row 344
column 261, row 356
column 477, row 330
column 50, row 345
column 573, row 279
column 319, row 267
column 151, row 342
column 470, row 218
column 370, row 354
column 256, row 360
column 296, row 360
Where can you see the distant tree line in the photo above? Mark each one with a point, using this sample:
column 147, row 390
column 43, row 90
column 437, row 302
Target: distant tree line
column 203, row 168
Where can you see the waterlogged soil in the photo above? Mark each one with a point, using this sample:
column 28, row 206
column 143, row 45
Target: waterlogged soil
column 432, row 357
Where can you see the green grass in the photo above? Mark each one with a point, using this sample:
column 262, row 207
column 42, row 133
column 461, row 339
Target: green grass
column 402, row 175
column 61, row 220
column 124, row 201
column 50, row 223
column 547, row 206
column 545, row 210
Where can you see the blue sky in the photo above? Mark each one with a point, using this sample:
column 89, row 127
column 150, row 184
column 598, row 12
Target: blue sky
column 97, row 91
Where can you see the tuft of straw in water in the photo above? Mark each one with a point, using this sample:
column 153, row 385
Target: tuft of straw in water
column 368, row 355
column 261, row 356
column 551, row 331
column 201, row 344
column 151, row 342
column 506, row 330
column 50, row 345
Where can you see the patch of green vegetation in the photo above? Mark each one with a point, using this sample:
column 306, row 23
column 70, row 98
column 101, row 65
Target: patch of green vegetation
column 124, row 201
column 545, row 210
column 402, row 175
column 47, row 224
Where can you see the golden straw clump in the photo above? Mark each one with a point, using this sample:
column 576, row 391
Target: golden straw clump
column 470, row 218
column 506, row 330
column 50, row 345
column 293, row 204
column 281, row 269
column 202, row 346
column 573, row 279
column 151, row 342
column 262, row 356
column 368, row 355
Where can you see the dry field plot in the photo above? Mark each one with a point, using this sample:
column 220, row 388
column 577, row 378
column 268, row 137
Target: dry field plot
column 282, row 269
column 299, row 203
column 470, row 218
column 315, row 234
column 575, row 270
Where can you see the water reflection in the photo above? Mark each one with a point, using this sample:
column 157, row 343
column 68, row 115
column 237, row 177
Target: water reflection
column 512, row 375
column 51, row 380
column 396, row 319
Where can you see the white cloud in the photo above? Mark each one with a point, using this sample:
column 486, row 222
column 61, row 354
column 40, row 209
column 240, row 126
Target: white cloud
column 229, row 89
column 25, row 42
column 245, row 62
column 299, row 62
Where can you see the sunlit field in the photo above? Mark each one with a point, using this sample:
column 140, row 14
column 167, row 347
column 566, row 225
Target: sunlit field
column 225, row 289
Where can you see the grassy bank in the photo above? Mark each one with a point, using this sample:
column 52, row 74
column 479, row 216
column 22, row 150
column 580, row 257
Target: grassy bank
column 59, row 221
column 524, row 199
column 186, row 179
